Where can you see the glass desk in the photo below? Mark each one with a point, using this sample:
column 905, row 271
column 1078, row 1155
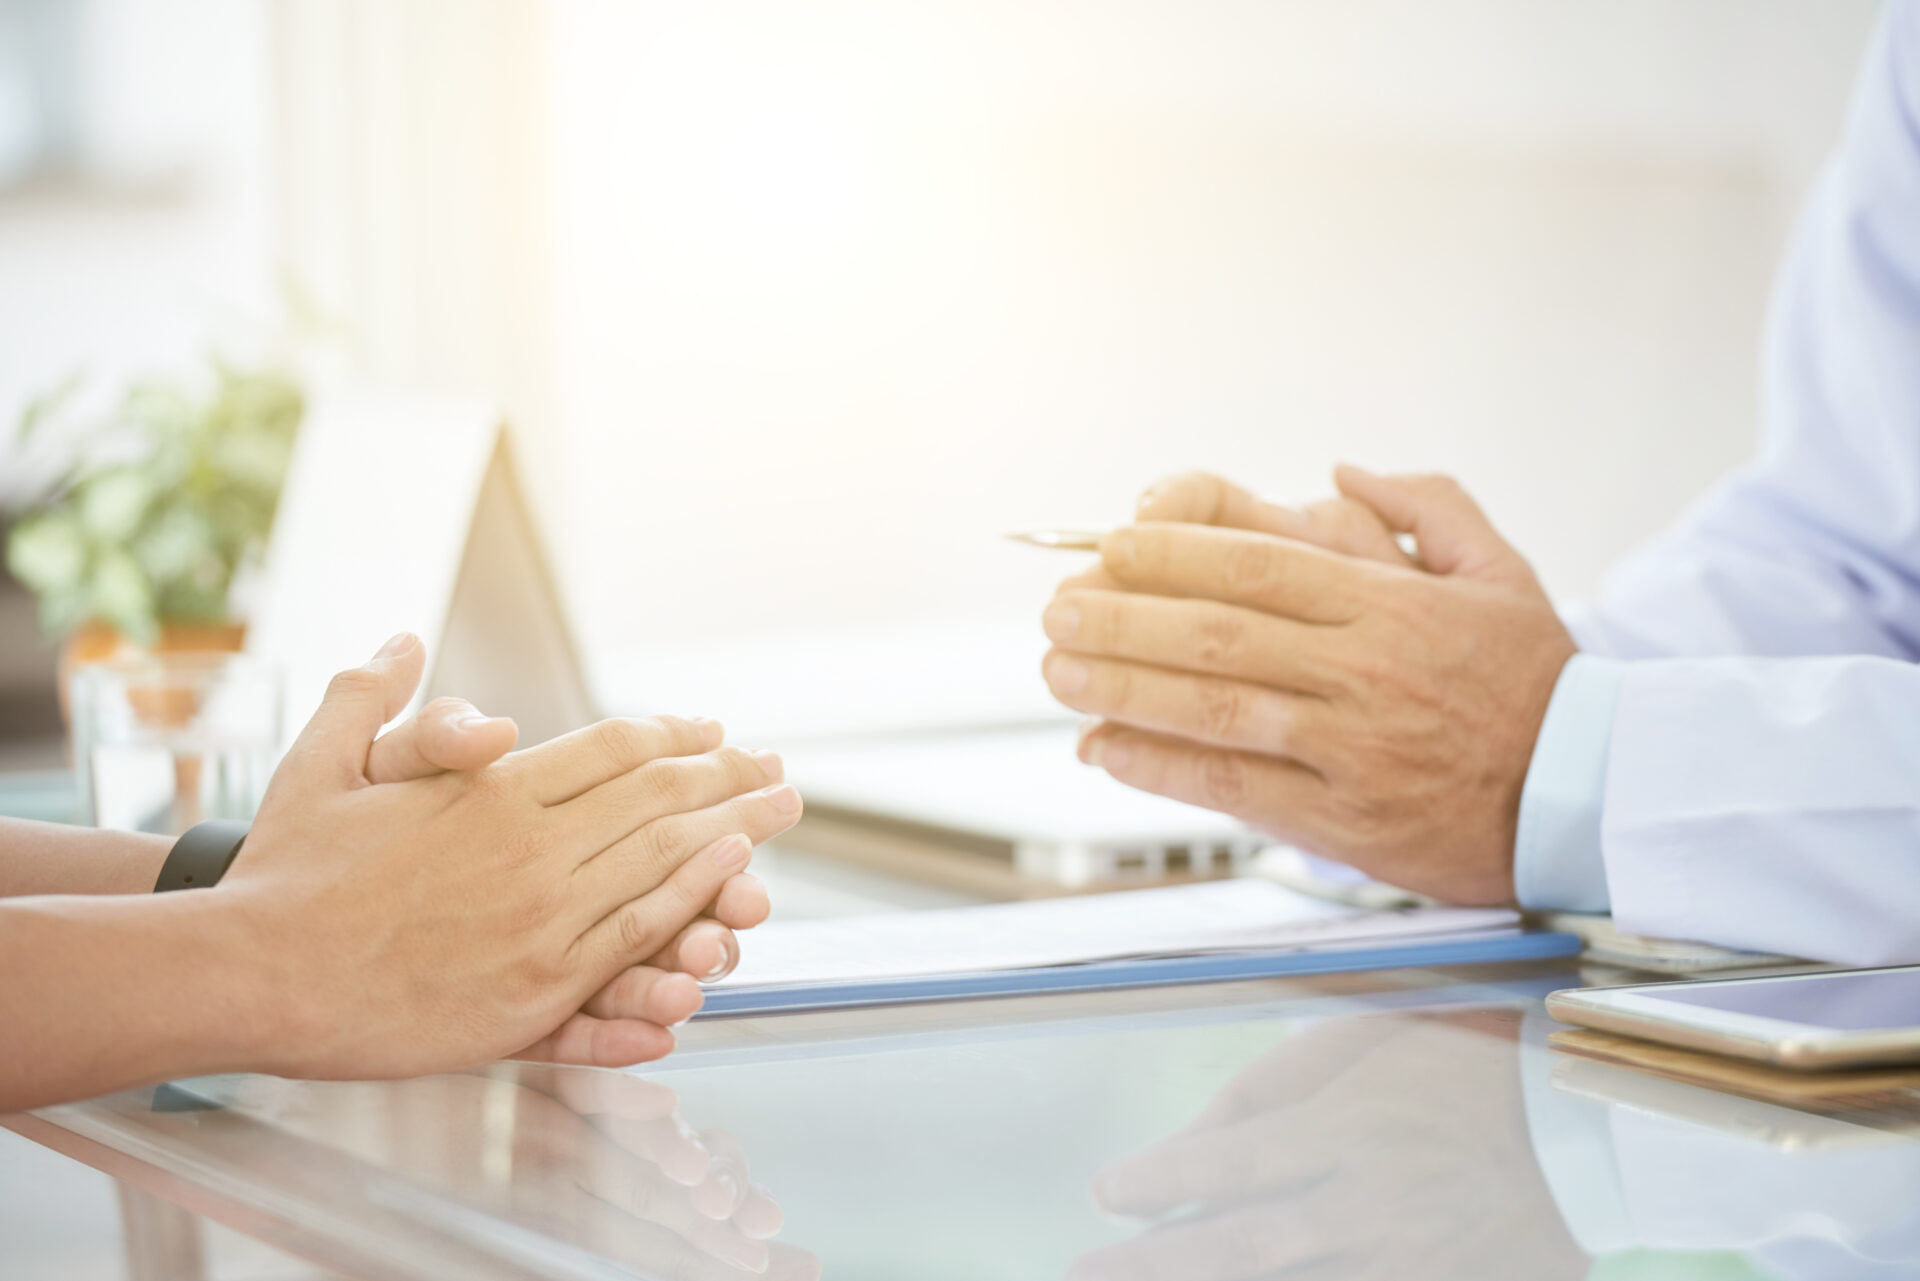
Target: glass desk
column 1390, row 1125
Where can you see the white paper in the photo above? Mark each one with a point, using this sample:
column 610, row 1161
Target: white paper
column 1242, row 914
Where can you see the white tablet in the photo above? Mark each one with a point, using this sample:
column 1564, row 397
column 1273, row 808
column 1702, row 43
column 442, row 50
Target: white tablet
column 1837, row 1018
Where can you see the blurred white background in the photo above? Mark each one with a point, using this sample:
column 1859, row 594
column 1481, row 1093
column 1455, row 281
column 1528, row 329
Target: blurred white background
column 798, row 306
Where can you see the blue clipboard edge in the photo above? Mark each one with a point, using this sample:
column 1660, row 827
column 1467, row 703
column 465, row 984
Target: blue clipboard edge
column 1113, row 975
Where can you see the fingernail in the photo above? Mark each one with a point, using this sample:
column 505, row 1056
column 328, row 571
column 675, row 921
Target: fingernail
column 771, row 763
column 724, row 965
column 400, row 643
column 712, row 732
column 1117, row 550
column 733, row 853
column 1146, row 499
column 784, row 798
column 1061, row 621
column 1113, row 756
column 1067, row 676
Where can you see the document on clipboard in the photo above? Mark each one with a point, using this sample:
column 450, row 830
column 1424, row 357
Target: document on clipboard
column 1238, row 928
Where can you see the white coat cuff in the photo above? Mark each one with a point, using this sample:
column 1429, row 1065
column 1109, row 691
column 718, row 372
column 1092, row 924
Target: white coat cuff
column 1557, row 864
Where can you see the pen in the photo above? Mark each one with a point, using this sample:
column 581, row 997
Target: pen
column 1066, row 540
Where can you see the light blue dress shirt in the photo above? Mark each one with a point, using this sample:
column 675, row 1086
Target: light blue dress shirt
column 1735, row 756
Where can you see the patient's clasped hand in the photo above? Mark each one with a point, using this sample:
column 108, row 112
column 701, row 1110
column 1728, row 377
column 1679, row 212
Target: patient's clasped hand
column 389, row 915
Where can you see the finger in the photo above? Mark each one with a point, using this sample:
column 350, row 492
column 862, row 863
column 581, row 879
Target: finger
column 1095, row 579
column 585, row 1041
column 1300, row 1066
column 646, row 859
column 1204, row 709
column 742, row 902
column 1275, row 575
column 726, row 1187
column 339, row 737
column 667, row 1141
column 1201, row 498
column 650, row 911
column 644, row 1221
column 1453, row 534
column 1254, row 1241
column 647, row 993
column 559, row 770
column 1349, row 527
column 446, row 734
column 1198, row 636
column 791, row 1263
column 671, row 785
column 706, row 950
column 606, row 1094
column 761, row 1216
column 1285, row 1148
column 1279, row 796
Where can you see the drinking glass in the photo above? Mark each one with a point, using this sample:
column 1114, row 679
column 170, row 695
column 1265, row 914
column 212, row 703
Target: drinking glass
column 164, row 741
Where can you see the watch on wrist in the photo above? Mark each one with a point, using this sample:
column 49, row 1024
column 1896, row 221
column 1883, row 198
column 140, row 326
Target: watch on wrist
column 202, row 855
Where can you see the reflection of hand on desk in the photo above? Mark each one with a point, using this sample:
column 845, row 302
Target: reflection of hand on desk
column 596, row 1160
column 1389, row 1146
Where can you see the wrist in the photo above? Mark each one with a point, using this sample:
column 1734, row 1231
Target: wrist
column 238, row 962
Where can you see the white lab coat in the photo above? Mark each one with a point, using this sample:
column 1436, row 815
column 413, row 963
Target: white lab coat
column 1751, row 763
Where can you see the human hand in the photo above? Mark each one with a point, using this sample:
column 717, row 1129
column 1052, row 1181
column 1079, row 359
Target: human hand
column 1340, row 524
column 448, row 920
column 452, row 734
column 1354, row 706
column 1376, row 1147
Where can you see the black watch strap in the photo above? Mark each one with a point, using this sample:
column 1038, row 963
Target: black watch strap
column 202, row 855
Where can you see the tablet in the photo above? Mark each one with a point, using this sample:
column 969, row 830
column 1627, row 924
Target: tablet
column 1836, row 1018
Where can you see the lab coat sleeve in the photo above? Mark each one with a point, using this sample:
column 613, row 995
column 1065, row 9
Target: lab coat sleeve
column 1768, row 804
column 1814, row 548
column 1774, row 802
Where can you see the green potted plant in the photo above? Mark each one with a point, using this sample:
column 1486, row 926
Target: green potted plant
column 153, row 512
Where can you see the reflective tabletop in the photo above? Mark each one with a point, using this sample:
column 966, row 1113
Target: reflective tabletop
column 1386, row 1125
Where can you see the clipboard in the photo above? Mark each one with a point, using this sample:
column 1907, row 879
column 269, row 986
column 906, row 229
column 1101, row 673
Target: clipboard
column 1223, row 967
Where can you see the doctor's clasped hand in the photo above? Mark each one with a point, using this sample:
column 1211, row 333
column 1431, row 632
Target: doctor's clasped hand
column 1349, row 701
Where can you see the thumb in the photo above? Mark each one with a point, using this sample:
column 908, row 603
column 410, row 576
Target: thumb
column 1454, row 535
column 358, row 702
column 446, row 734
column 1201, row 498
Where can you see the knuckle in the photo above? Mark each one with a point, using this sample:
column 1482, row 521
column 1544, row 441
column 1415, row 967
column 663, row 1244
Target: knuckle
column 1223, row 710
column 1223, row 781
column 635, row 930
column 1220, row 641
column 623, row 743
column 651, row 846
column 742, row 771
column 669, row 784
column 494, row 789
column 1250, row 568
column 353, row 683
column 1108, row 625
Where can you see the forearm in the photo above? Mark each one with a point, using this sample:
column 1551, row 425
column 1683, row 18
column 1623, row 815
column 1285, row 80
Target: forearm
column 53, row 858
column 107, row 993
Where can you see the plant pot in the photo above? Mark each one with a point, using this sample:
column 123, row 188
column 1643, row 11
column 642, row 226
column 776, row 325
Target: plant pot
column 101, row 642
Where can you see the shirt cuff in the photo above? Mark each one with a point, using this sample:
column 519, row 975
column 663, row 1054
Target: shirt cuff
column 1557, row 865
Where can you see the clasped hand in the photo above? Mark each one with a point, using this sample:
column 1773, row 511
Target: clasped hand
column 532, row 907
column 1301, row 671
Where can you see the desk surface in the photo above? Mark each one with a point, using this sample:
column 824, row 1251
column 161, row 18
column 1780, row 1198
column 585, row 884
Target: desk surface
column 1392, row 1125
